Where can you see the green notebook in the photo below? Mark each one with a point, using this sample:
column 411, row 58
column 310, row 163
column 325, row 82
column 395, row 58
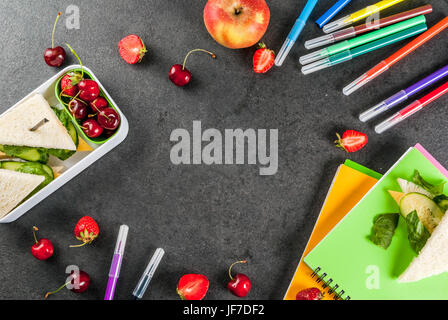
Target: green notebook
column 354, row 267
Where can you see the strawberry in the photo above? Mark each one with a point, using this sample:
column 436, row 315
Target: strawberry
column 86, row 230
column 67, row 86
column 351, row 141
column 132, row 49
column 193, row 287
column 310, row 294
column 263, row 59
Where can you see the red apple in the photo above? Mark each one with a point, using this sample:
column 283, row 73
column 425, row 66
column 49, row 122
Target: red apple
column 236, row 24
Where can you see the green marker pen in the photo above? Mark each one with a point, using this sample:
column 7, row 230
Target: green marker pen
column 358, row 51
column 358, row 41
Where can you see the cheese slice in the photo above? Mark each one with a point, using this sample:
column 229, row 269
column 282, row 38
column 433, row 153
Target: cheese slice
column 57, row 171
column 3, row 156
column 83, row 146
column 397, row 196
column 14, row 187
column 15, row 126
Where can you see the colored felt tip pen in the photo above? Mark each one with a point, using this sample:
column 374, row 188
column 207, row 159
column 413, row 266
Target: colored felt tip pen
column 117, row 259
column 384, row 65
column 403, row 95
column 328, row 15
column 412, row 108
column 295, row 32
column 358, row 51
column 144, row 281
column 366, row 38
column 352, row 32
column 359, row 15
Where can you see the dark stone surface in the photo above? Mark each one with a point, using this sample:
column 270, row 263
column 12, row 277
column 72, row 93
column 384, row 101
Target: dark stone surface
column 204, row 217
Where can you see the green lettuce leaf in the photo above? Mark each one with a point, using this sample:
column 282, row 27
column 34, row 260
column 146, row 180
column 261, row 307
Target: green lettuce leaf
column 434, row 189
column 417, row 233
column 383, row 229
column 442, row 201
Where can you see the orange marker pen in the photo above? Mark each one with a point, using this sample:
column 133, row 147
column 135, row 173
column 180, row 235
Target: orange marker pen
column 396, row 57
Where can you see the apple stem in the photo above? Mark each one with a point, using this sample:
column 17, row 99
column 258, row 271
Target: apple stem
column 238, row 10
column 77, row 57
column 54, row 28
column 56, row 291
column 195, row 50
column 231, row 266
column 34, row 234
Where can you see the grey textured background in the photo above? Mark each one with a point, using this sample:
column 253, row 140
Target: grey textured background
column 204, row 217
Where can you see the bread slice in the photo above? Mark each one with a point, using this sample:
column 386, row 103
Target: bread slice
column 15, row 126
column 433, row 258
column 14, row 187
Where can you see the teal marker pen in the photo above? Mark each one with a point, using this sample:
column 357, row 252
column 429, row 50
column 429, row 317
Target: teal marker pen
column 355, row 42
column 358, row 51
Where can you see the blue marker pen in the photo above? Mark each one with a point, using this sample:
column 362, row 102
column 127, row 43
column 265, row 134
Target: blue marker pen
column 327, row 16
column 295, row 32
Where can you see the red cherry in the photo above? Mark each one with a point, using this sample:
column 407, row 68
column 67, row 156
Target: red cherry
column 99, row 104
column 91, row 128
column 84, row 282
column 42, row 249
column 80, row 282
column 181, row 76
column 78, row 109
column 109, row 119
column 54, row 56
column 240, row 284
column 88, row 90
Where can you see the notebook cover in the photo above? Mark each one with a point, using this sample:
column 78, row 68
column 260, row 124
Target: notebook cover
column 364, row 270
column 350, row 184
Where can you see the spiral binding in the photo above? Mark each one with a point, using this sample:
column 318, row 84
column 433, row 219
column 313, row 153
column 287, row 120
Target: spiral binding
column 327, row 284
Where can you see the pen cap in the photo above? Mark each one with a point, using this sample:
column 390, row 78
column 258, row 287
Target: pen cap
column 383, row 106
column 327, row 62
column 121, row 240
column 338, row 24
column 389, row 123
column 146, row 277
column 331, row 38
column 314, row 56
column 366, row 78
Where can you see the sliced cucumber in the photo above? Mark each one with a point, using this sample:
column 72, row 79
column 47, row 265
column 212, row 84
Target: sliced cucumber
column 48, row 170
column 26, row 153
column 11, row 165
column 427, row 210
column 71, row 129
column 73, row 133
column 408, row 187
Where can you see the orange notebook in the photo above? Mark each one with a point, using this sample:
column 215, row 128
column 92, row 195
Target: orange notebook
column 351, row 182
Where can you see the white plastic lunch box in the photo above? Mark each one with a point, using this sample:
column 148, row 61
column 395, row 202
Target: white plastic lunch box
column 80, row 160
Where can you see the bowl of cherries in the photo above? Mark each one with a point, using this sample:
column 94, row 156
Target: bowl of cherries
column 88, row 105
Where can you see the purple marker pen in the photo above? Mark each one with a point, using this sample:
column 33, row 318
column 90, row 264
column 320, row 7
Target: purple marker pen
column 114, row 271
column 403, row 95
